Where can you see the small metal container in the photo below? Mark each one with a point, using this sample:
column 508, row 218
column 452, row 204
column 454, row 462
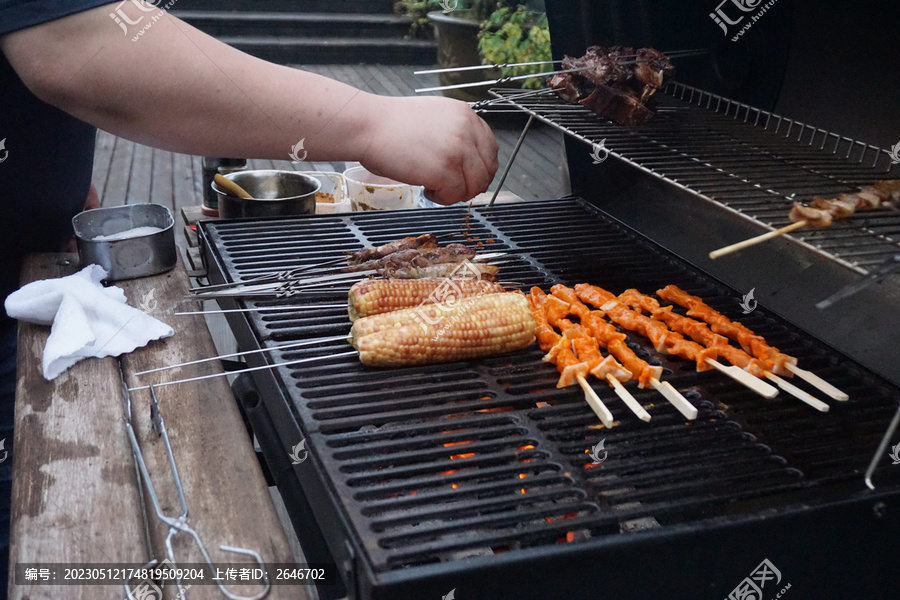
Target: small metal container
column 132, row 257
column 275, row 194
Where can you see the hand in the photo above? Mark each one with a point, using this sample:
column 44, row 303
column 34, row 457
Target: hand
column 435, row 142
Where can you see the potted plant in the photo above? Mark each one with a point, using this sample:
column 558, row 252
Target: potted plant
column 455, row 24
column 517, row 36
column 466, row 28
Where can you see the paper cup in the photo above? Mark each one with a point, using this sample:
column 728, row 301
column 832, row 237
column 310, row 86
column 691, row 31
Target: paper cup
column 368, row 191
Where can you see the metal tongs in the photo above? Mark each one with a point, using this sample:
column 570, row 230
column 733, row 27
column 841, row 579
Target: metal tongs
column 890, row 266
column 178, row 524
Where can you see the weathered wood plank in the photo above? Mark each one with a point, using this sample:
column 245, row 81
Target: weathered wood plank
column 162, row 191
column 225, row 489
column 141, row 176
column 183, row 181
column 74, row 496
column 116, row 190
column 102, row 158
column 190, row 237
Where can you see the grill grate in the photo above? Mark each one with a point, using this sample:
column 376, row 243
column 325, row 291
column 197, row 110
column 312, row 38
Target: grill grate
column 443, row 463
column 748, row 161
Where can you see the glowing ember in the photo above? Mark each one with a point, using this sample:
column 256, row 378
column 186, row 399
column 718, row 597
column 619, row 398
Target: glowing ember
column 449, row 444
column 467, row 455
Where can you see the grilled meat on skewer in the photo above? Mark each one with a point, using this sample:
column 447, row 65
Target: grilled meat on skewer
column 372, row 253
column 620, row 106
column 418, row 257
column 454, row 270
column 651, row 71
column 822, row 211
column 620, row 83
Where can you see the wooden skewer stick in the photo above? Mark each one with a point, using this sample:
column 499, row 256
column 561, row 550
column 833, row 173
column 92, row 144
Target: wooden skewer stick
column 816, row 381
column 756, row 240
column 741, row 376
column 796, row 392
column 595, row 402
column 231, row 187
column 675, row 399
column 628, row 399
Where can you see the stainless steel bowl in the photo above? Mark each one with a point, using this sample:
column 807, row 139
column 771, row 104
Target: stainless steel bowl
column 132, row 257
column 275, row 194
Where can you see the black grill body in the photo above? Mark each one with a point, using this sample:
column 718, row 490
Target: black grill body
column 475, row 476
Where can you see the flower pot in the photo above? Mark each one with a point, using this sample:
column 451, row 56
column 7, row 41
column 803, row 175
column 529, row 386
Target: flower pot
column 457, row 38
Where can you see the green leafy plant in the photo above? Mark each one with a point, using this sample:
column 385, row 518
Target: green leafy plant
column 417, row 10
column 515, row 36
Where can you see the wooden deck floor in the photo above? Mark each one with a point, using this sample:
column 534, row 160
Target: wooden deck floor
column 125, row 172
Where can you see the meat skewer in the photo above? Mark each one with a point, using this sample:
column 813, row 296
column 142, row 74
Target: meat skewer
column 606, row 335
column 774, row 362
column 822, row 212
column 614, row 88
column 549, row 340
column 360, row 256
column 616, row 311
column 744, row 368
column 600, row 334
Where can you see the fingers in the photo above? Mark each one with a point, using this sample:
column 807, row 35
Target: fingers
column 473, row 156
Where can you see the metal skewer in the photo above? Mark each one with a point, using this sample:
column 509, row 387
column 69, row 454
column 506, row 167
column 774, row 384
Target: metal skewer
column 233, row 354
column 891, row 265
column 248, row 370
column 673, row 54
column 457, row 86
column 882, row 448
column 512, row 158
column 274, row 275
column 283, row 286
column 262, row 309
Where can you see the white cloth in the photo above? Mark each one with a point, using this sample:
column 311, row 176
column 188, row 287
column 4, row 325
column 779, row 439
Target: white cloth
column 88, row 320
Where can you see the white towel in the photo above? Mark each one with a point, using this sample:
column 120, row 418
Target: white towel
column 87, row 319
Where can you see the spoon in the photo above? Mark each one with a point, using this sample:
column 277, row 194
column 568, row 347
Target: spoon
column 231, row 187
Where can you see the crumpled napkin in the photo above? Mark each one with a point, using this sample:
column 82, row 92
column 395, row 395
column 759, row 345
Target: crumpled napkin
column 88, row 320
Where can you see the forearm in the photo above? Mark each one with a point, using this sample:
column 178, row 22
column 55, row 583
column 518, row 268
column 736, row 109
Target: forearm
column 179, row 89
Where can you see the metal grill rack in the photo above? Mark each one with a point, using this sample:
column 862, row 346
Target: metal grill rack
column 442, row 476
column 744, row 160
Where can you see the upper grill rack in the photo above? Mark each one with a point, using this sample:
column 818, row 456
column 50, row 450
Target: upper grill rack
column 748, row 161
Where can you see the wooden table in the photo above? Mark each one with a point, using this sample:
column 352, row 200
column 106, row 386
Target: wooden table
column 75, row 498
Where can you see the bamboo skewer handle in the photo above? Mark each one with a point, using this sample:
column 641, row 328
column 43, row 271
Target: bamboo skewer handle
column 675, row 398
column 796, row 392
column 756, row 240
column 741, row 376
column 231, row 187
column 595, row 402
column 816, row 381
column 628, row 399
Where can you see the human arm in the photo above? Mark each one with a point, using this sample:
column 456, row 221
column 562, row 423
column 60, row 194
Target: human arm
column 178, row 89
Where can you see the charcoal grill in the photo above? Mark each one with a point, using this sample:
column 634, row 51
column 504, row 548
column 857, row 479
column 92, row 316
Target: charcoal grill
column 475, row 476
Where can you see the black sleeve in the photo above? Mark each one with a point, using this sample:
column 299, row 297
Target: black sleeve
column 21, row 14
